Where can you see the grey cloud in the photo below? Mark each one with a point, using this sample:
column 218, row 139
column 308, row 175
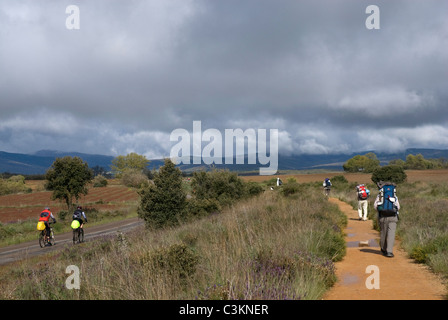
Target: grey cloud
column 136, row 70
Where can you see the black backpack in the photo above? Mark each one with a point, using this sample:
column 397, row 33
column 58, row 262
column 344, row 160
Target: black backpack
column 77, row 214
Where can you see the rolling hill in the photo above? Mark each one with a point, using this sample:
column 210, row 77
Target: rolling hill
column 39, row 162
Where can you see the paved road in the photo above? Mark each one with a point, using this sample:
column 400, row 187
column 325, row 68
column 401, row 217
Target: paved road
column 30, row 249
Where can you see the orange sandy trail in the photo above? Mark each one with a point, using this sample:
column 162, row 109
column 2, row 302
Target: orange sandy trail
column 399, row 277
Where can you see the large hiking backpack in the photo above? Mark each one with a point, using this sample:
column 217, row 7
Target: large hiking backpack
column 327, row 183
column 388, row 196
column 363, row 193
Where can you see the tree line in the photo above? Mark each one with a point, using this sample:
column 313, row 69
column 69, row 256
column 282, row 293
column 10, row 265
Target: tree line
column 369, row 162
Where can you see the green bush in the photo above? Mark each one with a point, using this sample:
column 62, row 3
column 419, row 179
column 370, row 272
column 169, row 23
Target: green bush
column 176, row 260
column 14, row 184
column 134, row 178
column 392, row 173
column 202, row 207
column 6, row 231
column 62, row 215
column 253, row 189
column 339, row 179
column 99, row 181
column 291, row 187
column 271, row 182
column 421, row 252
column 163, row 204
column 222, row 185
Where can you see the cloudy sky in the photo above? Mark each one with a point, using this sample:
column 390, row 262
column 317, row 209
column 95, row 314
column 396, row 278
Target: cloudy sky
column 136, row 70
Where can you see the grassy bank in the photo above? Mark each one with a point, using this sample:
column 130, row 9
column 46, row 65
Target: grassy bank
column 268, row 247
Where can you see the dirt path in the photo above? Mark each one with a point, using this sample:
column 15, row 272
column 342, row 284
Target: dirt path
column 399, row 278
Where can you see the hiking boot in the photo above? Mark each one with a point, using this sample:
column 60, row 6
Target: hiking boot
column 389, row 255
column 384, row 252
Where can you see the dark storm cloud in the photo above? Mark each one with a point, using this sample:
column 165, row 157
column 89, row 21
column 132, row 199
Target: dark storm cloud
column 136, row 70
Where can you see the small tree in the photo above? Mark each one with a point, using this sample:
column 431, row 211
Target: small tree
column 68, row 178
column 163, row 203
column 392, row 173
column 132, row 161
column 99, row 181
column 366, row 163
column 134, row 178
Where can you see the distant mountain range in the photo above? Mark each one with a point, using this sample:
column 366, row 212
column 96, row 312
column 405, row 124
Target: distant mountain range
column 39, row 162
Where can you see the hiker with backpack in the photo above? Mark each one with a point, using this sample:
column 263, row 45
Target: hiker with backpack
column 387, row 205
column 363, row 195
column 327, row 186
column 279, row 182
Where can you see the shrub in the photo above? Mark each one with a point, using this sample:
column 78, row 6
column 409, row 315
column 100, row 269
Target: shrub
column 339, row 179
column 176, row 260
column 291, row 187
column 202, row 207
column 99, row 181
column 253, row 188
column 163, row 204
column 222, row 185
column 15, row 184
column 271, row 182
column 421, row 252
column 62, row 215
column 392, row 173
column 5, row 232
column 134, row 178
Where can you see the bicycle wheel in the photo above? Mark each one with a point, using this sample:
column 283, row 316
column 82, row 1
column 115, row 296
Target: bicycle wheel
column 81, row 235
column 42, row 239
column 75, row 236
column 51, row 240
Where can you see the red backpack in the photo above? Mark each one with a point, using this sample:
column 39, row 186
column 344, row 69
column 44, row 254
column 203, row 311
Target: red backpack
column 362, row 192
column 45, row 215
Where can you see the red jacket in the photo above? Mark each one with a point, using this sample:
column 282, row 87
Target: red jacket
column 45, row 215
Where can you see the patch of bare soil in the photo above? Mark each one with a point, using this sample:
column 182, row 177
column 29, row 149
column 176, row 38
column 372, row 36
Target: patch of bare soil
column 364, row 267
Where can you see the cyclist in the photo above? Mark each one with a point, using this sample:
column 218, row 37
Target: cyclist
column 78, row 215
column 45, row 216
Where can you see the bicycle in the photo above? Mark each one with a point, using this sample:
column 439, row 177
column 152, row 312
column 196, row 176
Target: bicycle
column 78, row 232
column 44, row 239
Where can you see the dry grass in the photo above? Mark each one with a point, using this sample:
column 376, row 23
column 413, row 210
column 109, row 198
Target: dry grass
column 270, row 247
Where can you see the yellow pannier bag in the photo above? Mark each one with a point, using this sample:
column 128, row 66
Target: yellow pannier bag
column 41, row 225
column 75, row 224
